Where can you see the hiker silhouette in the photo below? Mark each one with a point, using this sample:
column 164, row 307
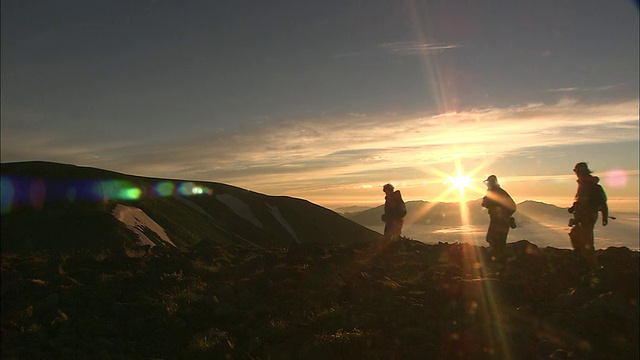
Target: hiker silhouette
column 589, row 200
column 501, row 206
column 394, row 212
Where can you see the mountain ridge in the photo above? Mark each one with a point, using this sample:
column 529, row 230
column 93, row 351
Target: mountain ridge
column 449, row 214
column 61, row 205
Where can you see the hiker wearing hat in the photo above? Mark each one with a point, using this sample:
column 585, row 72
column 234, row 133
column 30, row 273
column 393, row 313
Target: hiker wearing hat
column 589, row 200
column 394, row 212
column 501, row 206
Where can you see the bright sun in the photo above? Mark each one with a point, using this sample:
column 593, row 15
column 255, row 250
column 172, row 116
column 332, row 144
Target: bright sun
column 460, row 182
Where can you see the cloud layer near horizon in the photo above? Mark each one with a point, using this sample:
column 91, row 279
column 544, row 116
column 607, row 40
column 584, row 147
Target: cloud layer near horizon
column 299, row 156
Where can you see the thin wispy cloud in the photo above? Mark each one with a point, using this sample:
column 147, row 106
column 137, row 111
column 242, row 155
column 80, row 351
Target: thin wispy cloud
column 304, row 156
column 587, row 89
column 400, row 48
column 415, row 48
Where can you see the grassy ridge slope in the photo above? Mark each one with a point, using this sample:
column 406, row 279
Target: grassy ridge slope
column 58, row 206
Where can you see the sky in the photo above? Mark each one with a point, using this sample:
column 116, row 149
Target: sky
column 329, row 100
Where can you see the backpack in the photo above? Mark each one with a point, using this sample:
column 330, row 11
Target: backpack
column 499, row 203
column 591, row 196
column 402, row 208
column 599, row 198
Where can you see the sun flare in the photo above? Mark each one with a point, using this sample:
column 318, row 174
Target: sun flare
column 460, row 182
column 464, row 183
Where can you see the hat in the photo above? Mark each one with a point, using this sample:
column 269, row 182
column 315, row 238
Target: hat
column 492, row 179
column 582, row 168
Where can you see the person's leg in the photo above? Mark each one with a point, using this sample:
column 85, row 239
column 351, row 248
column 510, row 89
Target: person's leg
column 500, row 242
column 397, row 231
column 589, row 249
column 490, row 234
column 388, row 231
column 576, row 240
column 494, row 237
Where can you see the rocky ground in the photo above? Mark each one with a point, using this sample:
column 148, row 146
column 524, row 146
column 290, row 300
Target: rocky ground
column 405, row 300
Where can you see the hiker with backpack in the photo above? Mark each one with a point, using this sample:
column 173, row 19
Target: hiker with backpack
column 394, row 212
column 589, row 200
column 501, row 206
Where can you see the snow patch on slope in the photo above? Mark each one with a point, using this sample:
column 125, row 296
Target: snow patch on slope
column 136, row 221
column 240, row 208
column 276, row 214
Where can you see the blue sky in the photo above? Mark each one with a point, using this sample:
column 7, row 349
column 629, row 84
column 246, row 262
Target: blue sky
column 327, row 100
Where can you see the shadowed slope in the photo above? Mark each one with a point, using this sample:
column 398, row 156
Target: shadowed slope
column 55, row 206
column 403, row 300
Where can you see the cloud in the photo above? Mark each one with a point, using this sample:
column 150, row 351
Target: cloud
column 415, row 48
column 588, row 89
column 400, row 48
column 300, row 157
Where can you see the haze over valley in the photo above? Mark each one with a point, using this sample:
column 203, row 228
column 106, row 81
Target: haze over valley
column 540, row 223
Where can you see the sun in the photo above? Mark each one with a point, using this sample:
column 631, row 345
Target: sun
column 459, row 182
column 463, row 182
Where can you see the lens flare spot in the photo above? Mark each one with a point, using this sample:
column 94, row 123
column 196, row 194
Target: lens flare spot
column 7, row 192
column 186, row 188
column 165, row 188
column 97, row 191
column 616, row 178
column 119, row 190
column 132, row 193
column 71, row 194
column 190, row 188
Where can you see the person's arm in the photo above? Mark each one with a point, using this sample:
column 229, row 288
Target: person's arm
column 384, row 214
column 491, row 200
column 511, row 204
column 604, row 209
column 485, row 202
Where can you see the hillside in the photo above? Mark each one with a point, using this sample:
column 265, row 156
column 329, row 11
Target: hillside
column 406, row 300
column 449, row 214
column 539, row 209
column 57, row 206
column 540, row 223
column 425, row 213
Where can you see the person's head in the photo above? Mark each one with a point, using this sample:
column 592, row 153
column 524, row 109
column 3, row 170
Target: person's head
column 387, row 188
column 491, row 181
column 581, row 169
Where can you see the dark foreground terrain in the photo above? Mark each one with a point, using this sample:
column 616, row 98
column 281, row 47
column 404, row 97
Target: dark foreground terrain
column 406, row 300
